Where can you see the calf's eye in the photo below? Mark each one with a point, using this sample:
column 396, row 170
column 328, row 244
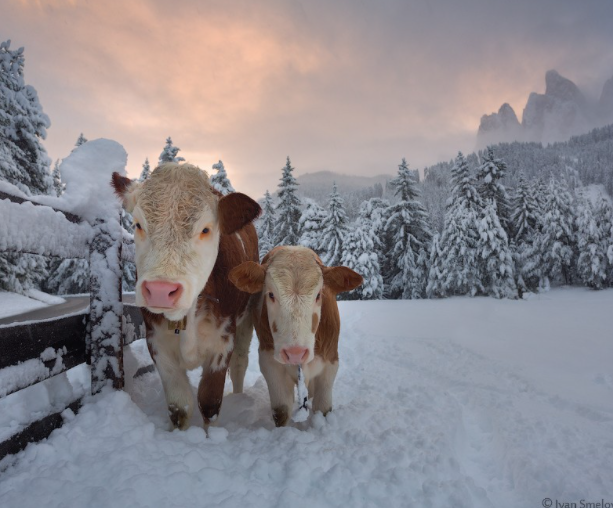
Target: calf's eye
column 318, row 297
column 138, row 226
column 205, row 231
column 271, row 296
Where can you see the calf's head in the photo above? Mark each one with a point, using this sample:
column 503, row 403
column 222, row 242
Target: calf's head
column 178, row 221
column 295, row 285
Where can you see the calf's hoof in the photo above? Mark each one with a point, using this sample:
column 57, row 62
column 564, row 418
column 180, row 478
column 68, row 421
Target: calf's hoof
column 178, row 417
column 280, row 415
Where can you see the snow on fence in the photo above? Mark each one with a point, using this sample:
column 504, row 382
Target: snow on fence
column 34, row 351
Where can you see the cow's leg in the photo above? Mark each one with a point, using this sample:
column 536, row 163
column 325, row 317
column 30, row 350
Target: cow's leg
column 179, row 396
column 240, row 356
column 280, row 388
column 210, row 389
column 322, row 396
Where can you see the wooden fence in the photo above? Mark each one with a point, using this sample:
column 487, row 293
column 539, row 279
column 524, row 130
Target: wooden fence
column 94, row 336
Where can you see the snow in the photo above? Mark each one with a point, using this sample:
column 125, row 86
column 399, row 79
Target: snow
column 44, row 297
column 463, row 402
column 12, row 304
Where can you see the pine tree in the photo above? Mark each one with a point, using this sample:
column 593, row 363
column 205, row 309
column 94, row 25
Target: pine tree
column 497, row 270
column 220, row 180
column 525, row 211
column 169, row 153
column 23, row 125
column 335, row 230
column 490, row 174
column 70, row 277
column 591, row 244
column 409, row 233
column 376, row 211
column 312, row 222
column 455, row 265
column 359, row 254
column 265, row 226
column 129, row 269
column 23, row 159
column 58, row 186
column 287, row 225
column 555, row 241
column 144, row 174
column 82, row 139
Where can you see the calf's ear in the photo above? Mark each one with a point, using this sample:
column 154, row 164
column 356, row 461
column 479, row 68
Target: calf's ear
column 235, row 211
column 248, row 277
column 340, row 278
column 126, row 189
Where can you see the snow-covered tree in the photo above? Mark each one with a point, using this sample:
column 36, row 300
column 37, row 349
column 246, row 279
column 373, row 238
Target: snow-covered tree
column 525, row 211
column 265, row 226
column 58, row 186
column 220, row 180
column 455, row 264
column 556, row 241
column 144, row 174
column 81, row 139
column 23, row 125
column 490, row 173
column 495, row 256
column 169, row 153
column 287, row 212
column 360, row 255
column 23, row 159
column 312, row 222
column 408, row 233
column 129, row 269
column 335, row 230
column 70, row 277
column 592, row 230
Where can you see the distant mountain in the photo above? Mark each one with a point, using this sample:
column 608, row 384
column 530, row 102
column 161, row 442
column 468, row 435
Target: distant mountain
column 561, row 112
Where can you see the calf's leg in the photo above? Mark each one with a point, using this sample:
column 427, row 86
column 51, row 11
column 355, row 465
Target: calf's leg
column 280, row 388
column 210, row 391
column 240, row 356
column 322, row 396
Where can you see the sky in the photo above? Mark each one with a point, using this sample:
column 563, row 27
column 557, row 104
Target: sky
column 350, row 86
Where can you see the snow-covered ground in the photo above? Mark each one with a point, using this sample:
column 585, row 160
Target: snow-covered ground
column 12, row 303
column 446, row 403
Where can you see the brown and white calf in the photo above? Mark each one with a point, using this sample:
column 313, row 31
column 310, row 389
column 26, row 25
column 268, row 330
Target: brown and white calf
column 187, row 239
column 297, row 322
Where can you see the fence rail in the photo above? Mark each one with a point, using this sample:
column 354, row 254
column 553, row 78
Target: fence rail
column 34, row 351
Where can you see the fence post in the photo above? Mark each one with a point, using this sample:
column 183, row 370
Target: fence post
column 106, row 306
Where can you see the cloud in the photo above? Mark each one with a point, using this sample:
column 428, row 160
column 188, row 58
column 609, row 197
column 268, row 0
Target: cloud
column 350, row 86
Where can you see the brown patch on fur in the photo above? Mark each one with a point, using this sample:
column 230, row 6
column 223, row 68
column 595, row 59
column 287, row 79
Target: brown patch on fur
column 326, row 338
column 315, row 322
column 178, row 417
column 225, row 338
column 235, row 211
column 120, row 184
column 210, row 392
column 274, row 327
column 262, row 328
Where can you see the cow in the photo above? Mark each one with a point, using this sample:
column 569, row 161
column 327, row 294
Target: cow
column 187, row 239
column 294, row 310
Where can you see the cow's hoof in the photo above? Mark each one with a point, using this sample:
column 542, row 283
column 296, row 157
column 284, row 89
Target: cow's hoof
column 178, row 417
column 280, row 415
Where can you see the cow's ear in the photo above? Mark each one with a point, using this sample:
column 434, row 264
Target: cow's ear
column 248, row 277
column 235, row 211
column 340, row 278
column 127, row 190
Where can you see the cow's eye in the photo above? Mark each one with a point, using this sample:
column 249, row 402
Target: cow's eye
column 138, row 226
column 318, row 296
column 271, row 296
column 205, row 231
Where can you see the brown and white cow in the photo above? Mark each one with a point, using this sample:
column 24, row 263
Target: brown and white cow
column 187, row 239
column 297, row 322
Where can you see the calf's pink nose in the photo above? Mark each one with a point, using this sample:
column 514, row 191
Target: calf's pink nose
column 159, row 293
column 294, row 355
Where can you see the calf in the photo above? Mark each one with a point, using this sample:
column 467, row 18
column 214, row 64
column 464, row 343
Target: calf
column 297, row 322
column 187, row 239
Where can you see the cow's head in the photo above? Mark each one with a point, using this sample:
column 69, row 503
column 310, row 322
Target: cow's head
column 294, row 285
column 178, row 221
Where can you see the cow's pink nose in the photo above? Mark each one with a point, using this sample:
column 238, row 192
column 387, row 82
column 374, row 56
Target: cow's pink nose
column 159, row 293
column 294, row 355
